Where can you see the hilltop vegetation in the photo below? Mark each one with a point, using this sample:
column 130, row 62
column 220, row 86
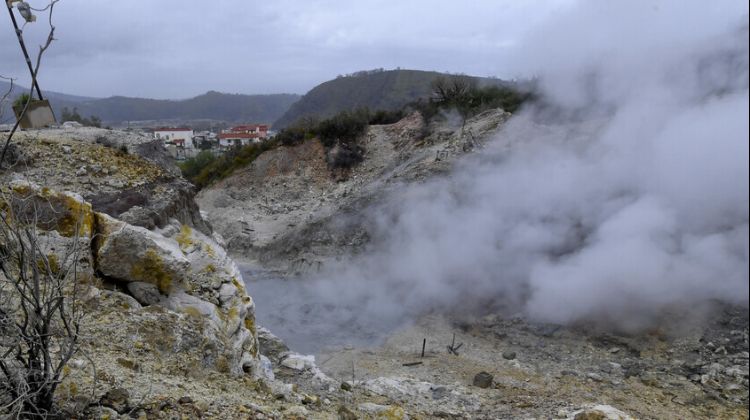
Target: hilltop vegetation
column 377, row 90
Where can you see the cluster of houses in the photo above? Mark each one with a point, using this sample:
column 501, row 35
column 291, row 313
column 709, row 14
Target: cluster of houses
column 183, row 143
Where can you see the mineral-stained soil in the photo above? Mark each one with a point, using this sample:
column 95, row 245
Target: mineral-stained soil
column 288, row 213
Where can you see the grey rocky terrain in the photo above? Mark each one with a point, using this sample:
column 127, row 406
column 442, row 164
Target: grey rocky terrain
column 172, row 329
column 287, row 214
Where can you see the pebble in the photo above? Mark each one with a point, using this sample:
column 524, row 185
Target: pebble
column 594, row 376
column 482, row 380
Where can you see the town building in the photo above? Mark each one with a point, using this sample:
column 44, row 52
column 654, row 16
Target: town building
column 178, row 136
column 177, row 140
column 242, row 135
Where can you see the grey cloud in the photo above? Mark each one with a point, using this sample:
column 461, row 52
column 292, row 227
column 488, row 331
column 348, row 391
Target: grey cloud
column 138, row 47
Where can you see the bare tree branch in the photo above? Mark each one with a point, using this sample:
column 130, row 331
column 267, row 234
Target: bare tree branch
column 40, row 312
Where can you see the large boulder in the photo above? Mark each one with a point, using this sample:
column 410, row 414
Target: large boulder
column 194, row 276
column 131, row 253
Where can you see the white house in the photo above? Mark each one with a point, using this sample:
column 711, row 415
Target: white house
column 177, row 136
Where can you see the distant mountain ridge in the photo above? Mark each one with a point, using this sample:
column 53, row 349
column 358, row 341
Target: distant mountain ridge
column 211, row 105
column 375, row 89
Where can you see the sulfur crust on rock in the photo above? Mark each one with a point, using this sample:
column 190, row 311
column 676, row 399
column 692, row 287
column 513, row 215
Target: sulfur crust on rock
column 184, row 238
column 72, row 215
column 151, row 270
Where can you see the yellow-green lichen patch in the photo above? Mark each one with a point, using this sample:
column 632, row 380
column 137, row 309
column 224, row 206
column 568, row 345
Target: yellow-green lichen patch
column 67, row 214
column 78, row 220
column 392, row 413
column 192, row 312
column 233, row 313
column 209, row 250
column 49, row 266
column 22, row 189
column 151, row 270
column 185, row 238
column 250, row 325
column 222, row 364
column 240, row 287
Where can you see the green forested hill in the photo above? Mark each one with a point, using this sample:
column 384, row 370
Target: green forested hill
column 212, row 105
column 376, row 90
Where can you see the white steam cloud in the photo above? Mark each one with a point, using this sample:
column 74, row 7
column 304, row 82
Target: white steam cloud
column 630, row 199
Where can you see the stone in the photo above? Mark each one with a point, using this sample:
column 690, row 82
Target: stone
column 132, row 253
column 297, row 412
column 177, row 271
column 117, row 399
column 594, row 376
column 71, row 124
column 509, row 355
column 270, row 345
column 298, row 362
column 382, row 411
column 127, row 363
column 310, row 399
column 227, row 291
column 346, row 414
column 100, row 412
column 439, row 392
column 266, row 368
column 117, row 299
column 600, row 412
column 483, row 380
column 145, row 293
column 193, row 306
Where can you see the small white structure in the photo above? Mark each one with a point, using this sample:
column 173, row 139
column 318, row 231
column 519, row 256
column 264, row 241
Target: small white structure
column 177, row 140
column 177, row 136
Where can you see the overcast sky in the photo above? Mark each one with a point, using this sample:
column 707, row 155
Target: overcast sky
column 178, row 48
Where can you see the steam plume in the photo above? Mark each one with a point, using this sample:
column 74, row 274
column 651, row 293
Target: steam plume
column 629, row 199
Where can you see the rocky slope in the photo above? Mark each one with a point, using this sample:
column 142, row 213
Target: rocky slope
column 288, row 214
column 168, row 324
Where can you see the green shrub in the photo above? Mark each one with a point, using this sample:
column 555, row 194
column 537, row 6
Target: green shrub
column 92, row 121
column 292, row 136
column 192, row 167
column 344, row 127
column 21, row 100
column 383, row 117
column 206, row 168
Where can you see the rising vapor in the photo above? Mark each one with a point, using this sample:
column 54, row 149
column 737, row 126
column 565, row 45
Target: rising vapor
column 624, row 197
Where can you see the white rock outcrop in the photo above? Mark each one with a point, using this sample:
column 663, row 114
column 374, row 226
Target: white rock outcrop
column 193, row 274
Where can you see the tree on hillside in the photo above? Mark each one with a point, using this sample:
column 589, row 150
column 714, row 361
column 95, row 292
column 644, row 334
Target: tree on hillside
column 68, row 115
column 452, row 88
